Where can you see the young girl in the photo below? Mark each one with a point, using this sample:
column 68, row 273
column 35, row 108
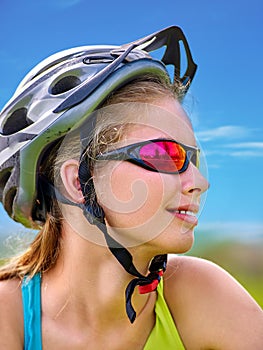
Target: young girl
column 97, row 152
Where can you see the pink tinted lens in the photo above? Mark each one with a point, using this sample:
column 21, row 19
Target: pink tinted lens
column 163, row 156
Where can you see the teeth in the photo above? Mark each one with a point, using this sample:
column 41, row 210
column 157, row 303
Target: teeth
column 185, row 212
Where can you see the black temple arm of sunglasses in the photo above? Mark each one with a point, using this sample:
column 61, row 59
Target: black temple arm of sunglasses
column 169, row 37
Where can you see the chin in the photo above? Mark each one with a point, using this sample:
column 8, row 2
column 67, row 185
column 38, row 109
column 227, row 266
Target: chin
column 185, row 243
column 178, row 246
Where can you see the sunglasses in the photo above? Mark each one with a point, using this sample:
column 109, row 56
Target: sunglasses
column 159, row 155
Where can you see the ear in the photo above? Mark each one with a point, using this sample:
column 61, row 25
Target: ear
column 70, row 179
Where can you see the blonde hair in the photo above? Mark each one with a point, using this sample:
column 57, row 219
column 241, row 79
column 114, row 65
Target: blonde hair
column 44, row 250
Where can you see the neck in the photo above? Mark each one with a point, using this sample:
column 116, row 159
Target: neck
column 88, row 278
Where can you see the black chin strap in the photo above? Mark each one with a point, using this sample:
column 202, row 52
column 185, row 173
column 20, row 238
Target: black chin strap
column 95, row 216
column 147, row 283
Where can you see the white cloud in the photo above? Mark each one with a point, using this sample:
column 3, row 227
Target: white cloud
column 245, row 149
column 246, row 145
column 246, row 231
column 223, row 132
column 247, row 153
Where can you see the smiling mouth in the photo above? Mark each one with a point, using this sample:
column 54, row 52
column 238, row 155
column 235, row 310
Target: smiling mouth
column 187, row 216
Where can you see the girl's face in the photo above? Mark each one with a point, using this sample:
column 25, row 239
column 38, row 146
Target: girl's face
column 146, row 207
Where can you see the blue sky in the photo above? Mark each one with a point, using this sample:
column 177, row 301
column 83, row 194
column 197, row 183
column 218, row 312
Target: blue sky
column 225, row 100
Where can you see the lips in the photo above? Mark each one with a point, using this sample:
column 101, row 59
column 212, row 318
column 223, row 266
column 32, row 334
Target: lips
column 186, row 213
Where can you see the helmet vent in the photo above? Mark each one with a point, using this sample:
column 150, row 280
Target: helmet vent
column 16, row 121
column 4, row 176
column 9, row 200
column 65, row 84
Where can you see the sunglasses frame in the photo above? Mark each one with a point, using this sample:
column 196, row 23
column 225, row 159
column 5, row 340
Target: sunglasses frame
column 131, row 153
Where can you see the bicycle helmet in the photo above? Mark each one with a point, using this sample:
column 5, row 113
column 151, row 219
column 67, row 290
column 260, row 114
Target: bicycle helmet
column 59, row 95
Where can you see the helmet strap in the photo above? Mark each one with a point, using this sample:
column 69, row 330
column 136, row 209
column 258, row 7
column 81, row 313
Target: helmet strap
column 95, row 215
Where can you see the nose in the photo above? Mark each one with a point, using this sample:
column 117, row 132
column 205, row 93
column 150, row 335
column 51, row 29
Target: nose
column 193, row 181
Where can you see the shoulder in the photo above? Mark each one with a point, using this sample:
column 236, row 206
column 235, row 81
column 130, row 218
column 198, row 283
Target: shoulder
column 208, row 303
column 11, row 315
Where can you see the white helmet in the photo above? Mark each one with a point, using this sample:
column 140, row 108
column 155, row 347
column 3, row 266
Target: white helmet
column 59, row 94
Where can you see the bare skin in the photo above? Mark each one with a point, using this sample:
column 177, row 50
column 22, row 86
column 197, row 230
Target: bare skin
column 213, row 302
column 83, row 294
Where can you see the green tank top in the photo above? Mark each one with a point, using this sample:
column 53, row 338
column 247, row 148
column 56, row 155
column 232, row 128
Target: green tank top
column 163, row 336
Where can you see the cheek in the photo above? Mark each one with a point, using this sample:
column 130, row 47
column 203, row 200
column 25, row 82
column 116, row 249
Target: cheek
column 129, row 195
